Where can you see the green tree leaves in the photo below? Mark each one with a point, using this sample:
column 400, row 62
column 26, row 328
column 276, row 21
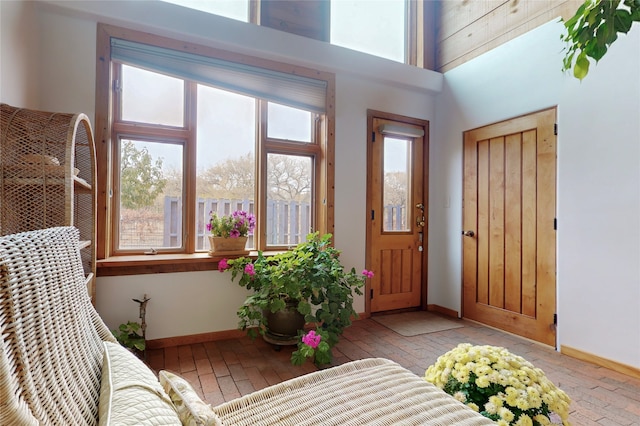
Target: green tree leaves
column 592, row 30
column 141, row 178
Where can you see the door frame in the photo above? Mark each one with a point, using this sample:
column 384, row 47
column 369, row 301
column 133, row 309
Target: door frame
column 371, row 115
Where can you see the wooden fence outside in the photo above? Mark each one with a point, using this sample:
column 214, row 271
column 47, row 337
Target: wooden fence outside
column 288, row 222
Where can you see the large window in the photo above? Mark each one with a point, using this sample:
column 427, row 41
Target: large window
column 190, row 134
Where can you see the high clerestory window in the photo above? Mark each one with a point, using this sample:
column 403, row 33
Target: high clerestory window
column 194, row 133
column 384, row 28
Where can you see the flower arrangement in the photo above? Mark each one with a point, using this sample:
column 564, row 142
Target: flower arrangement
column 500, row 385
column 237, row 224
column 309, row 275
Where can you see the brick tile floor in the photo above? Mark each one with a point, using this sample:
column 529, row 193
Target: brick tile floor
column 226, row 369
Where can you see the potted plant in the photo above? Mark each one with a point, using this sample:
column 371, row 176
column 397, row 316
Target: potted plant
column 130, row 335
column 308, row 280
column 500, row 385
column 228, row 234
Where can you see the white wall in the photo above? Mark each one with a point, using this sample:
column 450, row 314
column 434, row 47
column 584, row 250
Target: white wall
column 598, row 183
column 200, row 302
column 19, row 79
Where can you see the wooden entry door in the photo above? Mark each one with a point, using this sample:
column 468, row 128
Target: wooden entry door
column 509, row 239
column 397, row 202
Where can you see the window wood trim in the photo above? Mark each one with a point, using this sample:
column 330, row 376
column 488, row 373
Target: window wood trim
column 105, row 146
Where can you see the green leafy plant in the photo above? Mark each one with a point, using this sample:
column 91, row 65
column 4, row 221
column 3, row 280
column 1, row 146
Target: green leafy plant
column 130, row 336
column 593, row 28
column 500, row 385
column 310, row 274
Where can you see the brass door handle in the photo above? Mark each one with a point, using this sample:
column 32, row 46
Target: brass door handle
column 468, row 233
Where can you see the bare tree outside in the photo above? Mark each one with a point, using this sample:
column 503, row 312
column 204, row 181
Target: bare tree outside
column 395, row 188
column 232, row 178
column 289, row 178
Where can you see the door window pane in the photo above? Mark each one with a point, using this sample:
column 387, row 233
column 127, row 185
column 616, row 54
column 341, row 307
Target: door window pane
column 226, row 160
column 150, row 195
column 288, row 123
column 374, row 27
column 289, row 191
column 150, row 97
column 397, row 184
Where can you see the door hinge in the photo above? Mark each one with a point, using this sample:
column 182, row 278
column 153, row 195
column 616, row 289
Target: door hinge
column 555, row 319
column 555, row 129
column 373, row 136
column 373, row 214
column 555, row 223
column 371, row 294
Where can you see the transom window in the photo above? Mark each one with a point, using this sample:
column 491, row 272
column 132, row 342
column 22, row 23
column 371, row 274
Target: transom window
column 194, row 134
column 382, row 28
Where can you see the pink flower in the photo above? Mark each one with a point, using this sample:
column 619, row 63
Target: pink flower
column 368, row 274
column 223, row 265
column 311, row 339
column 249, row 269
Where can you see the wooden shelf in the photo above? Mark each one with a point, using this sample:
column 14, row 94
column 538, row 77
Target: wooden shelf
column 81, row 184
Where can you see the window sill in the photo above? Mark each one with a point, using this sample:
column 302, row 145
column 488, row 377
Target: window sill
column 161, row 263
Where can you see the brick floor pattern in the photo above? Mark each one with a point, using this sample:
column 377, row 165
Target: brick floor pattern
column 226, row 369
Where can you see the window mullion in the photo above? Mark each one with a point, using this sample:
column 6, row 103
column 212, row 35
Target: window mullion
column 189, row 169
column 261, row 175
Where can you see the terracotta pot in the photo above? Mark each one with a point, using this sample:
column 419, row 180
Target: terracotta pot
column 226, row 246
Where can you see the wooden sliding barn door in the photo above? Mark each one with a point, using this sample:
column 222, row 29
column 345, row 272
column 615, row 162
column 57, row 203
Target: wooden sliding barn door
column 509, row 241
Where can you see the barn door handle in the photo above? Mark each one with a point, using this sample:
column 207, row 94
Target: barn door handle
column 468, row 233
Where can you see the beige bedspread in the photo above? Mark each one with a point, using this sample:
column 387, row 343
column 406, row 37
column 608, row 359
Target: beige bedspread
column 366, row 392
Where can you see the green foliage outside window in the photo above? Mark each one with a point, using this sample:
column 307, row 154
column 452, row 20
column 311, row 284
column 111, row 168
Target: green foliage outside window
column 141, row 178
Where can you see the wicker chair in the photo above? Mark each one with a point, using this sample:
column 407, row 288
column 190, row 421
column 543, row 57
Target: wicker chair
column 59, row 365
column 51, row 349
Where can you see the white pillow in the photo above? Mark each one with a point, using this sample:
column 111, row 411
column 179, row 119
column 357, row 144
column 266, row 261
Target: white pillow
column 192, row 410
column 130, row 394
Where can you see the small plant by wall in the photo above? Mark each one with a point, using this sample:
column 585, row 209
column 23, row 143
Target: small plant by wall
column 131, row 334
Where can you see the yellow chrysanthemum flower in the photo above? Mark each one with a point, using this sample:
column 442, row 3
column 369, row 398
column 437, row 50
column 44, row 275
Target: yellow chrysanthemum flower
column 483, row 382
column 524, row 420
column 542, row 419
column 490, row 408
column 506, row 414
column 460, row 396
column 519, row 386
column 495, row 400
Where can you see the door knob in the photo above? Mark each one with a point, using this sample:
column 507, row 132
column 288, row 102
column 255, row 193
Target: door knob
column 468, row 233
